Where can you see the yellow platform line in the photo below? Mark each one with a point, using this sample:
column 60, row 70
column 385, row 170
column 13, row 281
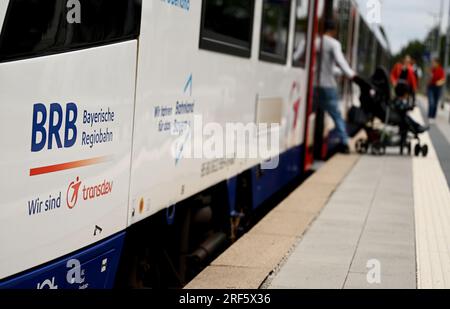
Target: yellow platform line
column 432, row 217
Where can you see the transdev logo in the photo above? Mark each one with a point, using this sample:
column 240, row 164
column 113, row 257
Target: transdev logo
column 88, row 192
column 72, row 193
column 295, row 97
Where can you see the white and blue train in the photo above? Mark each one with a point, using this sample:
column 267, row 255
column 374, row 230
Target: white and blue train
column 92, row 95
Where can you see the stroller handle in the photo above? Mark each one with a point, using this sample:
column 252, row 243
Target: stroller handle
column 363, row 83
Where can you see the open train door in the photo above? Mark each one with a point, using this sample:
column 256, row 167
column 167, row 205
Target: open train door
column 343, row 11
column 316, row 9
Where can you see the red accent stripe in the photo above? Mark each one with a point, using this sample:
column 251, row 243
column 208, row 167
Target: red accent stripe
column 66, row 166
column 309, row 153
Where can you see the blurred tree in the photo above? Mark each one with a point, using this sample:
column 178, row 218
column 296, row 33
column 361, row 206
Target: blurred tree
column 416, row 49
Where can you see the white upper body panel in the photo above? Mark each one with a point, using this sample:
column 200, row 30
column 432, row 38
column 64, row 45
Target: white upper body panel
column 3, row 7
column 225, row 89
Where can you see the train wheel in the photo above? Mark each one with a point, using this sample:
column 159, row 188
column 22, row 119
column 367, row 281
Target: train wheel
column 378, row 149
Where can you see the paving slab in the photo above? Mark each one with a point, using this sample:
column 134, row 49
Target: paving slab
column 256, row 251
column 302, row 205
column 359, row 281
column 230, row 278
column 284, row 223
column 311, row 275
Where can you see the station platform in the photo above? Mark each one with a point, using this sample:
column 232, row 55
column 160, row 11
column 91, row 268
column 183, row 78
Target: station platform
column 358, row 222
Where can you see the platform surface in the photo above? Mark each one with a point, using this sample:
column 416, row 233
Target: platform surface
column 386, row 226
column 369, row 218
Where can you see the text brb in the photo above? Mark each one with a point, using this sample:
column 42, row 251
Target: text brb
column 54, row 125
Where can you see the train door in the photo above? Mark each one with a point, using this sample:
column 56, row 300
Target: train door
column 316, row 8
column 320, row 127
column 340, row 11
column 345, row 14
column 346, row 22
column 67, row 81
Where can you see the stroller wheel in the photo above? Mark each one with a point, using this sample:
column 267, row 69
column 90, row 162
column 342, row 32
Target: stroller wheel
column 425, row 151
column 409, row 148
column 378, row 149
column 361, row 146
column 418, row 150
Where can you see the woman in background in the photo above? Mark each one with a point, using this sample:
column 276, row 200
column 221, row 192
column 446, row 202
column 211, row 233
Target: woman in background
column 435, row 89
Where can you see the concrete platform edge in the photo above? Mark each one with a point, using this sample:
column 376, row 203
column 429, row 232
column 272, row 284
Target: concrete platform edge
column 251, row 260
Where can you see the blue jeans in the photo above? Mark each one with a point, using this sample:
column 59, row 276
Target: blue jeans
column 329, row 101
column 434, row 95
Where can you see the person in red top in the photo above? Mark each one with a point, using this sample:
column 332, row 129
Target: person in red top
column 403, row 72
column 435, row 88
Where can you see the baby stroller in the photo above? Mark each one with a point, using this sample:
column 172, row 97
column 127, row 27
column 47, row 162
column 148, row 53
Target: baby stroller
column 398, row 129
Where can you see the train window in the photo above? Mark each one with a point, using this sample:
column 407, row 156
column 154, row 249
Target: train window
column 227, row 26
column 301, row 33
column 275, row 30
column 40, row 27
column 344, row 31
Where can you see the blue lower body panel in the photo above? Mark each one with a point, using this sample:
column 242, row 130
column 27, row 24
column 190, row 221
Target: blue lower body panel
column 265, row 183
column 232, row 195
column 91, row 268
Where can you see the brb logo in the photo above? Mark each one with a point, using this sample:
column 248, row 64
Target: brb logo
column 55, row 126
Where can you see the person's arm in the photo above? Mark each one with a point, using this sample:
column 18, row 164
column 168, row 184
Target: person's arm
column 440, row 83
column 441, row 78
column 341, row 61
column 299, row 51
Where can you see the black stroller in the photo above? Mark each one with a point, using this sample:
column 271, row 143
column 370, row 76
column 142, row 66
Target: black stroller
column 398, row 129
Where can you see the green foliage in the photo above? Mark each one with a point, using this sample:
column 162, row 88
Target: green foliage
column 416, row 49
